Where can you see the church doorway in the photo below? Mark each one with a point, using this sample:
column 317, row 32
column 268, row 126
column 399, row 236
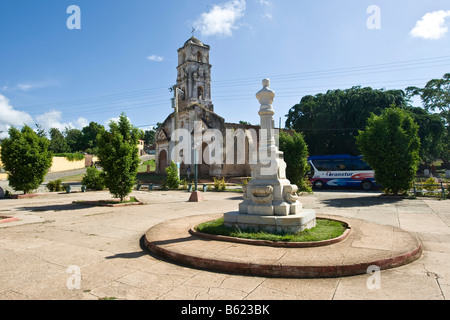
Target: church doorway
column 162, row 161
column 203, row 169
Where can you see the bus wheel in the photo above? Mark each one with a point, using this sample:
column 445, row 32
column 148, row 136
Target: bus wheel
column 366, row 185
column 319, row 185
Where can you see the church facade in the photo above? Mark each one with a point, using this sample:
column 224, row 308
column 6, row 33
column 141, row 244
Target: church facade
column 194, row 112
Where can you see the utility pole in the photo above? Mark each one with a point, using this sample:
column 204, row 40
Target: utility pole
column 176, row 110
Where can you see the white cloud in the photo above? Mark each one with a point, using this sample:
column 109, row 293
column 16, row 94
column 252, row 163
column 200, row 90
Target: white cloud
column 155, row 58
column 267, row 15
column 431, row 26
column 265, row 2
column 267, row 5
column 222, row 19
column 9, row 117
column 52, row 119
column 30, row 85
column 82, row 122
column 115, row 119
column 25, row 86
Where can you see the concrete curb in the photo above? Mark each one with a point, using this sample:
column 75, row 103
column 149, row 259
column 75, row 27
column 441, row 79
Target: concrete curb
column 344, row 236
column 8, row 219
column 103, row 203
column 214, row 260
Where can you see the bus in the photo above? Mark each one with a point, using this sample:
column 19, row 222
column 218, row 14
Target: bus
column 340, row 171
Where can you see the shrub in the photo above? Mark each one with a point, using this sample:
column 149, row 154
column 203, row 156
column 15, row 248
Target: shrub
column 93, row 179
column 164, row 185
column 72, row 157
column 54, row 186
column 305, row 186
column 184, row 184
column 390, row 145
column 173, row 181
column 430, row 184
column 296, row 157
column 219, row 184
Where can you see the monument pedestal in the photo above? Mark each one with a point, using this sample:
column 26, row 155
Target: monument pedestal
column 272, row 224
column 270, row 201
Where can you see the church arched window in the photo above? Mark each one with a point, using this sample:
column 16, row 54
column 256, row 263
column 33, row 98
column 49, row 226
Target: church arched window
column 199, row 56
column 200, row 93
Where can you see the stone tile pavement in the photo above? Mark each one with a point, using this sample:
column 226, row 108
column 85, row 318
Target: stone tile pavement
column 63, row 251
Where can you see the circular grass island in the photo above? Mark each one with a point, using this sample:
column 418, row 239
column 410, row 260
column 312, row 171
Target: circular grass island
column 326, row 232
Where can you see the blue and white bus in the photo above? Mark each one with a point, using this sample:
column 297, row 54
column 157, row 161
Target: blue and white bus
column 341, row 171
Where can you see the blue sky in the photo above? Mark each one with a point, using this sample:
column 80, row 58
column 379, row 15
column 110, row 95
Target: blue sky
column 124, row 57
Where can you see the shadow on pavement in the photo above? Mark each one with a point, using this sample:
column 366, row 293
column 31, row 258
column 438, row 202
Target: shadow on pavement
column 363, row 201
column 55, row 207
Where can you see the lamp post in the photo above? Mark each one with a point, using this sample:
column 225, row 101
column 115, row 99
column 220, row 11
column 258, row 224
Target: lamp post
column 177, row 92
column 196, row 165
column 196, row 196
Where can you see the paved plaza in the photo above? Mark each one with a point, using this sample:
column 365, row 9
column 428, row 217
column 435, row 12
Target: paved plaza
column 60, row 250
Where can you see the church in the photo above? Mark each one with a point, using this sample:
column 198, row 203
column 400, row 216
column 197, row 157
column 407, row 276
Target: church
column 193, row 106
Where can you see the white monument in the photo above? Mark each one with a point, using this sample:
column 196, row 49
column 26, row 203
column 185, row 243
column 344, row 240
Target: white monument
column 270, row 201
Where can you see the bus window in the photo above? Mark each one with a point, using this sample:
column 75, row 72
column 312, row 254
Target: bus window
column 331, row 165
column 360, row 165
column 337, row 165
column 322, row 165
column 349, row 164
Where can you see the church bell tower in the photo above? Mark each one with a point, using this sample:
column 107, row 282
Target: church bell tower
column 194, row 75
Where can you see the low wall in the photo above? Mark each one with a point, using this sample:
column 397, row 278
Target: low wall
column 3, row 175
column 62, row 164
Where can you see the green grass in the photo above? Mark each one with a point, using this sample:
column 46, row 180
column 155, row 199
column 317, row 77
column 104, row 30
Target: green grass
column 70, row 156
column 325, row 230
column 143, row 166
column 75, row 178
column 132, row 199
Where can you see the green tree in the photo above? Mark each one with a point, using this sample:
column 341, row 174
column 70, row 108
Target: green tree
column 295, row 155
column 26, row 159
column 149, row 137
column 118, row 155
column 330, row 121
column 58, row 142
column 89, row 140
column 40, row 130
column 390, row 145
column 74, row 139
column 432, row 134
column 435, row 97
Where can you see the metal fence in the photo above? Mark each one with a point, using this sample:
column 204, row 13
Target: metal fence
column 430, row 189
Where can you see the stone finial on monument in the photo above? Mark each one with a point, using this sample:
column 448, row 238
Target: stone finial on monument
column 270, row 201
